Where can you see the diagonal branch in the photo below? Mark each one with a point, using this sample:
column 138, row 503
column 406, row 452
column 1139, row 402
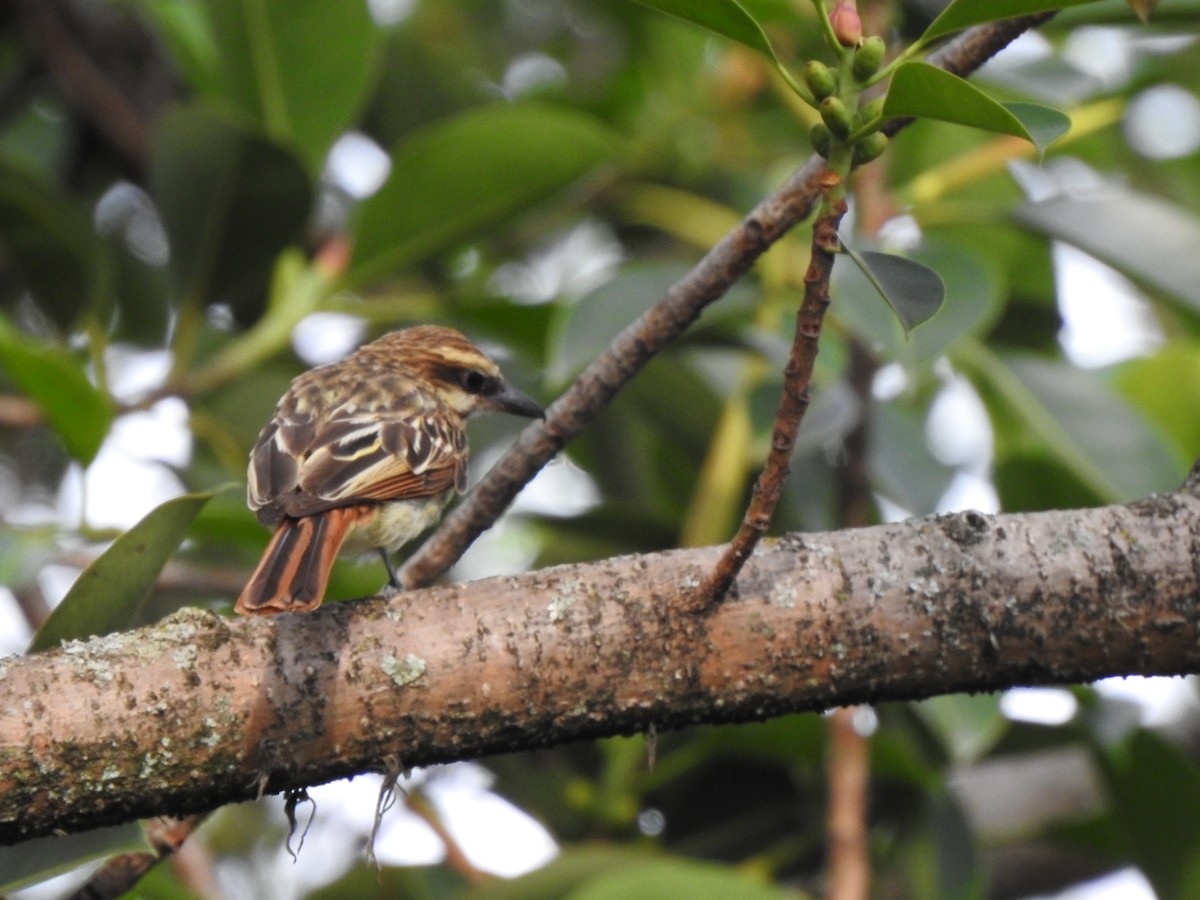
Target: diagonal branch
column 200, row 711
column 120, row 873
column 82, row 81
column 682, row 305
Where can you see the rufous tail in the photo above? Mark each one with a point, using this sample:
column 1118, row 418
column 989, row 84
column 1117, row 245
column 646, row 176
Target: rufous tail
column 294, row 570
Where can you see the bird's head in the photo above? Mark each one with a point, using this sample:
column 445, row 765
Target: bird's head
column 461, row 375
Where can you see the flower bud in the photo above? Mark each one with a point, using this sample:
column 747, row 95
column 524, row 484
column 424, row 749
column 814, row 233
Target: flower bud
column 834, row 114
column 868, row 57
column 820, row 79
column 868, row 148
column 847, row 26
column 821, row 139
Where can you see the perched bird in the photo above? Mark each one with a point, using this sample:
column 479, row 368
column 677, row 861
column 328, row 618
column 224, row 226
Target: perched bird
column 363, row 454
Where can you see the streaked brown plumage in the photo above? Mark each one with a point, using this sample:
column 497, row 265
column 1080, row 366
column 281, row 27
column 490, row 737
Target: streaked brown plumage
column 363, row 454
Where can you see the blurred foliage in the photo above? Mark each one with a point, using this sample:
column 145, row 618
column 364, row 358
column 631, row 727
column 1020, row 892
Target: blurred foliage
column 552, row 167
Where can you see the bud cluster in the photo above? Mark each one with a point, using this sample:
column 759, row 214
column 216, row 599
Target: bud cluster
column 835, row 93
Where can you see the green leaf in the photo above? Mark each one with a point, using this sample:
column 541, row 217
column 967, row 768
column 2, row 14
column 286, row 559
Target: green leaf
column 727, row 18
column 33, row 861
column 974, row 297
column 901, row 465
column 457, row 177
column 231, row 201
column 51, row 242
column 1044, row 124
column 53, row 379
column 969, row 725
column 912, row 289
column 1148, row 239
column 670, row 879
column 584, row 329
column 1075, row 416
column 1165, row 387
column 574, row 866
column 925, row 91
column 183, row 26
column 303, row 69
column 965, row 13
column 1156, row 789
column 597, row 872
column 111, row 594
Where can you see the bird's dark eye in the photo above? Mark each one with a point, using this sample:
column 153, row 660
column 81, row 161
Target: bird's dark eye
column 474, row 381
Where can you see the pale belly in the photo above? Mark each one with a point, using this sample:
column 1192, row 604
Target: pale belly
column 396, row 524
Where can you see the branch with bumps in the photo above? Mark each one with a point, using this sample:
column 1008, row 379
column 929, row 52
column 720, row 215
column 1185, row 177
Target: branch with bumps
column 200, row 711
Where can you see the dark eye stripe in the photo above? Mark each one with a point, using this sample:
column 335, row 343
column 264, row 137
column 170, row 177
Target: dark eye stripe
column 471, row 380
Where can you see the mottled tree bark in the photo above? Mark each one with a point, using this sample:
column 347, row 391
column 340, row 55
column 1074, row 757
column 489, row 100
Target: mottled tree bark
column 200, row 711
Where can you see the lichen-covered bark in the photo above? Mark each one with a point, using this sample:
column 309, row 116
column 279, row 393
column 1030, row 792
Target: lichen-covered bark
column 200, row 711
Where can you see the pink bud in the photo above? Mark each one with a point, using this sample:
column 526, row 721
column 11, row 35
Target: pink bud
column 847, row 26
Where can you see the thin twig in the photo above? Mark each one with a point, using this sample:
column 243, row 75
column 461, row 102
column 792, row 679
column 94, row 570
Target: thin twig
column 165, row 834
column 19, row 412
column 848, row 768
column 456, row 857
column 793, row 402
column 82, row 81
column 683, row 303
column 848, row 760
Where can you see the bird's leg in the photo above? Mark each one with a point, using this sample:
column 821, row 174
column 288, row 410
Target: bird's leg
column 393, row 586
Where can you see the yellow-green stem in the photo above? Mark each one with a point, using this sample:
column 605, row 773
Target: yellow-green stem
column 187, row 334
column 827, row 30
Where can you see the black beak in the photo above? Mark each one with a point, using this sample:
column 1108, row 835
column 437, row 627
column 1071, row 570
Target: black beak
column 510, row 400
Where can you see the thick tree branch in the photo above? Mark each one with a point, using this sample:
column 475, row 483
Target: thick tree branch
column 682, row 305
column 200, row 711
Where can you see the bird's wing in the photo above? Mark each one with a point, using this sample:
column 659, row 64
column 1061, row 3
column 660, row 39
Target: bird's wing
column 304, row 464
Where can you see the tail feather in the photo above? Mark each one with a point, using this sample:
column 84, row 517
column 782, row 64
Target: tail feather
column 294, row 570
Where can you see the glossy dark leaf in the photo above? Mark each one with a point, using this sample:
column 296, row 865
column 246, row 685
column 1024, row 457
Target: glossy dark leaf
column 50, row 240
column 111, row 593
column 1077, row 418
column 925, row 91
column 457, row 177
column 301, row 69
column 55, row 380
column 601, row 872
column 727, row 18
column 231, row 200
column 29, row 862
column 912, row 289
column 901, row 466
column 1146, row 237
